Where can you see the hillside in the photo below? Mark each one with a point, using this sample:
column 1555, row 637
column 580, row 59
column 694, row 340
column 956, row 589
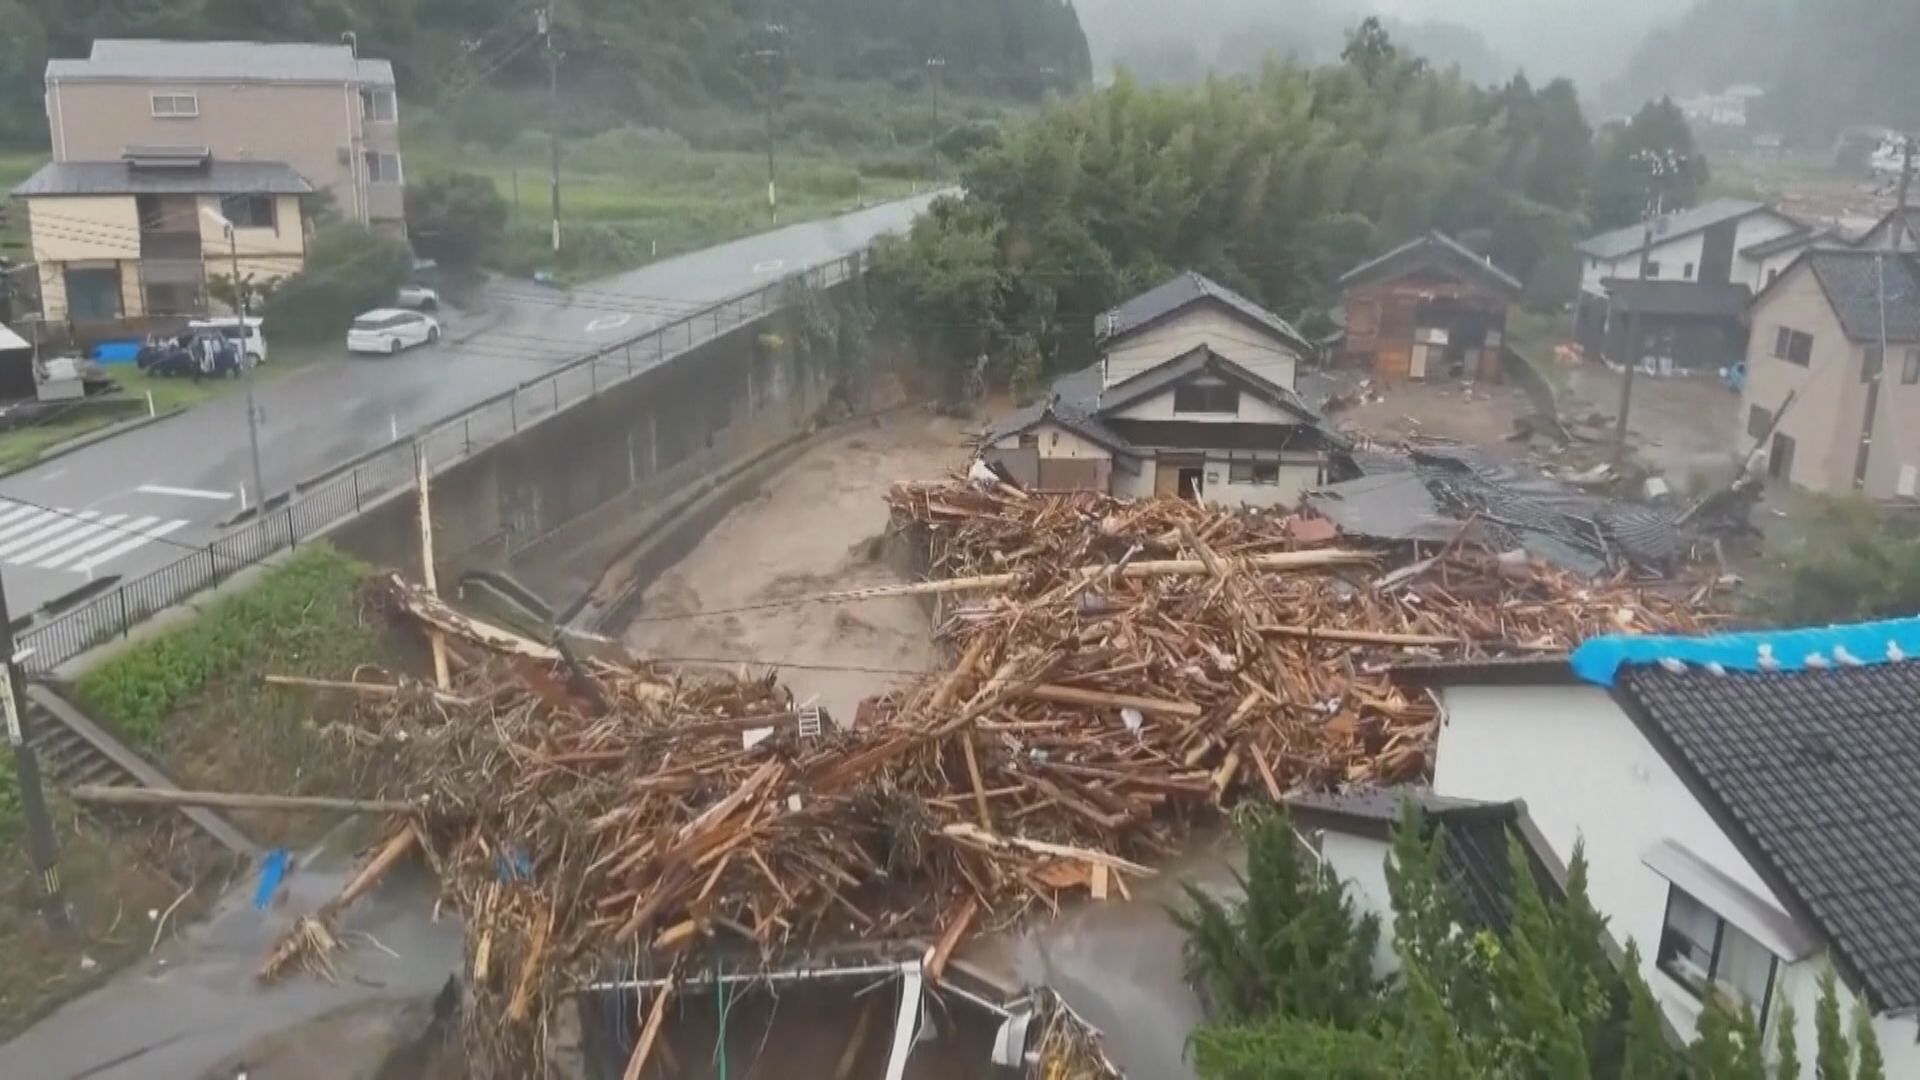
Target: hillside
column 627, row 62
column 1824, row 64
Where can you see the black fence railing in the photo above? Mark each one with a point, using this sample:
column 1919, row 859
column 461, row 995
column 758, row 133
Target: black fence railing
column 342, row 492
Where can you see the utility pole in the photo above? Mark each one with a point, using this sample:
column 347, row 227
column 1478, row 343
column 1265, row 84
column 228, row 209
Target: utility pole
column 767, row 55
column 1906, row 183
column 42, row 849
column 544, row 23
column 934, row 66
column 253, row 413
column 1659, row 166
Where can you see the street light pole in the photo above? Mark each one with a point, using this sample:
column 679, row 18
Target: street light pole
column 934, row 64
column 42, row 849
column 244, row 308
column 553, row 116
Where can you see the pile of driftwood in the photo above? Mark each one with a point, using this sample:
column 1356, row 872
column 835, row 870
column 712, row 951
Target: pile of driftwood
column 1120, row 670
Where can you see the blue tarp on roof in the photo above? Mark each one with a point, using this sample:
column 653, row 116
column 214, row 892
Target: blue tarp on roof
column 1599, row 660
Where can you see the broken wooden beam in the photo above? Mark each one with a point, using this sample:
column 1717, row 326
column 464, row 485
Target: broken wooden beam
column 1074, row 695
column 111, row 795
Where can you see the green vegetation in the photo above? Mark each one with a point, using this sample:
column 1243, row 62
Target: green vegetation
column 1291, row 993
column 1860, row 562
column 455, row 218
column 349, row 269
column 302, row 617
column 1273, row 185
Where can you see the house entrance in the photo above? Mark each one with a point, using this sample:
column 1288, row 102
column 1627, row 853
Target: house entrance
column 1192, row 482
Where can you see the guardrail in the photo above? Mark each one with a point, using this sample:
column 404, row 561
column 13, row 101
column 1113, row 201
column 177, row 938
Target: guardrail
column 322, row 501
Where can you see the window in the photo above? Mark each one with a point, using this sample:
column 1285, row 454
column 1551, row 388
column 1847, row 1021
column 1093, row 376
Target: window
column 1910, row 372
column 1653, row 268
column 93, row 292
column 1702, row 951
column 1793, row 346
column 173, row 298
column 1030, row 441
column 382, row 168
column 1872, row 362
column 379, row 105
column 248, row 211
column 1206, row 398
column 176, row 105
column 1758, row 421
column 1687, row 272
column 1253, row 472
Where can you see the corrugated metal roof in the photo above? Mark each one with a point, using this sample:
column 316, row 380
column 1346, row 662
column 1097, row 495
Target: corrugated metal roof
column 119, row 178
column 222, row 61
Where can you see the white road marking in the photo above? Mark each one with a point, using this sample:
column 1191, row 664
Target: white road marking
column 608, row 322
column 61, row 523
column 20, row 525
column 185, row 493
column 769, row 266
column 66, row 541
column 120, row 532
column 18, row 511
column 87, row 566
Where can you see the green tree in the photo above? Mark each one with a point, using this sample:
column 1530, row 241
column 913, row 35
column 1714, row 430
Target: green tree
column 349, row 269
column 455, row 218
column 1787, row 1044
column 1872, row 1067
column 1651, row 160
column 1832, row 1059
column 1646, row 1054
column 1861, row 564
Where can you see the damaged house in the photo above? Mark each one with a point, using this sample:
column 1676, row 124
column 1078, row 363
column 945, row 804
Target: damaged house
column 1193, row 396
column 1428, row 309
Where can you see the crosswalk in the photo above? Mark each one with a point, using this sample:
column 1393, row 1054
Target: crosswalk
column 81, row 541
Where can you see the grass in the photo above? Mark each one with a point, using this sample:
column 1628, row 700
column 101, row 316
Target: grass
column 629, row 196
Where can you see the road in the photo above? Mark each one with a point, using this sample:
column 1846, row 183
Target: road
column 133, row 503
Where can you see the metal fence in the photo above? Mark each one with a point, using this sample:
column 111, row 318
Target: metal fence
column 325, row 500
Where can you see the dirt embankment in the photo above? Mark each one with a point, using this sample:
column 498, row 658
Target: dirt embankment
column 816, row 526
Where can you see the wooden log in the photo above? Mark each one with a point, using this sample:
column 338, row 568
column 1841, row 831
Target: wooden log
column 396, row 848
column 955, row 930
column 530, row 968
column 1074, row 695
column 968, row 833
column 1276, row 561
column 1356, row 637
column 368, row 688
column 140, row 796
column 656, row 1018
column 973, row 774
column 435, row 613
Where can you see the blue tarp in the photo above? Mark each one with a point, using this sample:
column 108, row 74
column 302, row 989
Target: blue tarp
column 116, row 352
column 273, row 871
column 1599, row 659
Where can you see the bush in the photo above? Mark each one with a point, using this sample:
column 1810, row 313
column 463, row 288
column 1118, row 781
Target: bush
column 624, row 147
column 456, row 218
column 302, row 616
column 1860, row 563
column 350, row 268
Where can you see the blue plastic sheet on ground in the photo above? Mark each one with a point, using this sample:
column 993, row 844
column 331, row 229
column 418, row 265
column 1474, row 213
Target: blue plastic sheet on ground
column 1888, row 641
column 273, row 871
column 513, row 864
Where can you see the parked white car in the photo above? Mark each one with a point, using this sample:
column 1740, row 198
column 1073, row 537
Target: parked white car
column 389, row 330
column 418, row 297
column 252, row 340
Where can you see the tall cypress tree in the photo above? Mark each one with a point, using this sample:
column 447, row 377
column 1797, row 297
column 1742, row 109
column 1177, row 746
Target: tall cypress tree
column 1646, row 1054
column 1787, row 1044
column 1831, row 1059
column 1871, row 1065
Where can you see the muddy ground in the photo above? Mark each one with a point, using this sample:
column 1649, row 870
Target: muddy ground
column 819, row 525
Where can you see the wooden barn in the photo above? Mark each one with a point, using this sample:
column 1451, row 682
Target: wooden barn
column 1428, row 309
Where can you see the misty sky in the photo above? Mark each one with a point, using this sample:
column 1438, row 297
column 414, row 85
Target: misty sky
column 1587, row 40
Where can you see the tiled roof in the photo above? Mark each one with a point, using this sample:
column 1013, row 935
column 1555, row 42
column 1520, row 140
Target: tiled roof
column 222, row 61
column 1798, row 238
column 1453, row 251
column 1813, row 772
column 1854, row 280
column 1474, row 858
column 1180, row 291
column 119, row 178
column 1626, row 241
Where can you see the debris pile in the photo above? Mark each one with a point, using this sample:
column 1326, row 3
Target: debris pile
column 1121, row 670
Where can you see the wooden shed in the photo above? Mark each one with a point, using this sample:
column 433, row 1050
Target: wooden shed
column 1428, row 309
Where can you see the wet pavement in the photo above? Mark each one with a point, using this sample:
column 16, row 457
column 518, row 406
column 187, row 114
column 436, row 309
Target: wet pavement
column 1118, row 963
column 194, row 1004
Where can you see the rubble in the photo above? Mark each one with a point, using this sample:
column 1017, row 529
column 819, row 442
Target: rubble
column 1121, row 671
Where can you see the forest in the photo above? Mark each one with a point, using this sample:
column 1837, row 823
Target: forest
column 627, row 62
column 1824, row 64
column 1273, row 184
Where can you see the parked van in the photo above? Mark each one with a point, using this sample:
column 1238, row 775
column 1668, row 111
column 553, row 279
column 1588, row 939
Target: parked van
column 252, row 340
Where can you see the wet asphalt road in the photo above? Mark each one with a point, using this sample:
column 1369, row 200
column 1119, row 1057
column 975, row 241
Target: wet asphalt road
column 141, row 500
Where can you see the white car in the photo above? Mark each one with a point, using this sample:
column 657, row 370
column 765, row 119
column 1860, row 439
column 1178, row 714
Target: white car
column 229, row 327
column 418, row 297
column 389, row 330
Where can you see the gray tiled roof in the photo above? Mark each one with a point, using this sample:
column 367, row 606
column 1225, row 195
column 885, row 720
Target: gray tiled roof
column 1626, row 241
column 222, row 61
column 1853, row 281
column 119, row 178
column 1813, row 774
column 1184, row 289
column 1453, row 251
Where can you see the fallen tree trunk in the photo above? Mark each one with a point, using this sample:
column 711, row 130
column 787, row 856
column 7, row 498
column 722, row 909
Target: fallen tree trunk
column 226, row 800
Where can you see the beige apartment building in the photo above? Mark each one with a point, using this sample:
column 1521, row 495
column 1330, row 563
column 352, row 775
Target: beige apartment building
column 327, row 114
column 1839, row 332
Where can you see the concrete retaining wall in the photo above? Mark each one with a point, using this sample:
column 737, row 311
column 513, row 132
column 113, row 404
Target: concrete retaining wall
column 644, row 439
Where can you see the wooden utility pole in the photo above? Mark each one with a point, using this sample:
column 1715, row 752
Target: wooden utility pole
column 42, row 849
column 1659, row 166
column 546, row 18
column 441, row 676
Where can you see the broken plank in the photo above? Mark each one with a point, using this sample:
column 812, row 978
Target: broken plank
column 1074, row 695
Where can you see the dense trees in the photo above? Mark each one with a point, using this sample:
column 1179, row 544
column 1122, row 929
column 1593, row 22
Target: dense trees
column 350, row 268
column 1286, row 976
column 627, row 60
column 1273, row 185
column 455, row 218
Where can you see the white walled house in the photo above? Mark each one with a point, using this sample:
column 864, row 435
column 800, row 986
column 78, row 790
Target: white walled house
column 1707, row 243
column 1748, row 826
column 1193, row 396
